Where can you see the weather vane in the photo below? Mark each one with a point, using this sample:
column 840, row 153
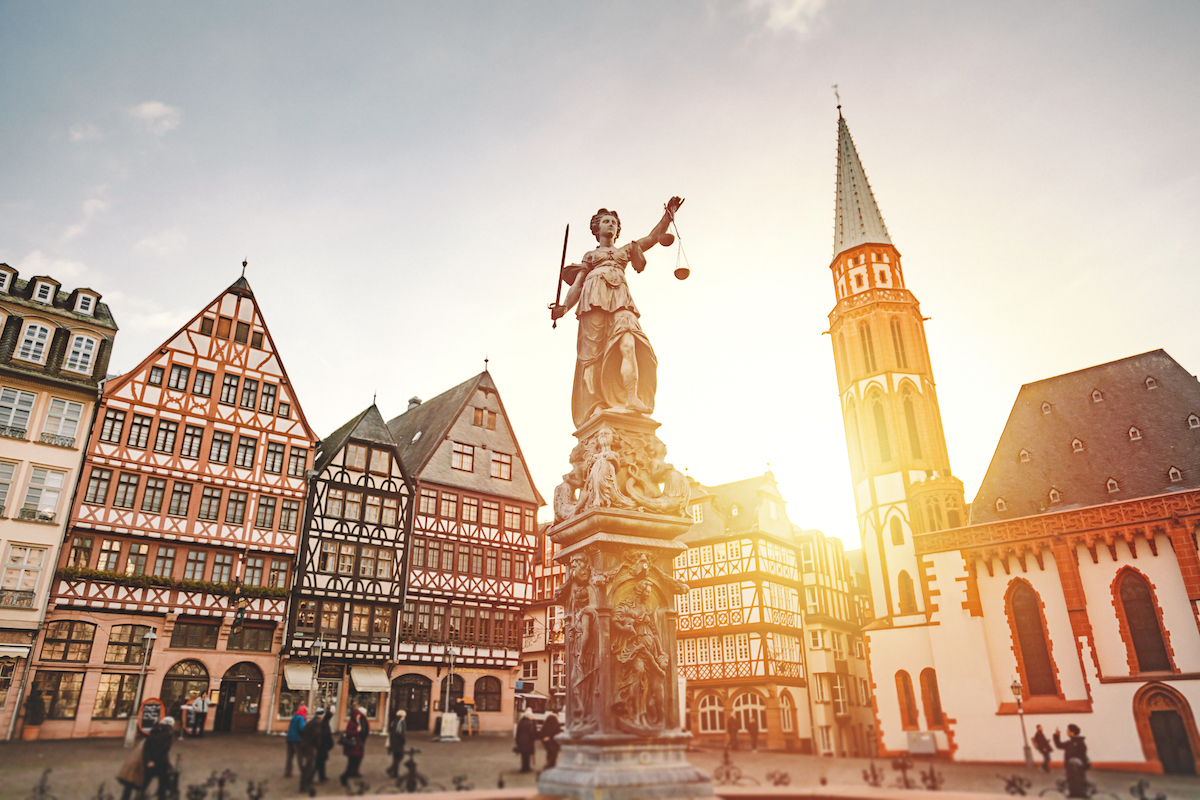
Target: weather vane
column 245, row 263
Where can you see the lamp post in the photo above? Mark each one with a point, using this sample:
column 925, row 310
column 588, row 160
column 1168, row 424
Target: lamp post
column 315, row 651
column 1017, row 690
column 449, row 729
column 131, row 727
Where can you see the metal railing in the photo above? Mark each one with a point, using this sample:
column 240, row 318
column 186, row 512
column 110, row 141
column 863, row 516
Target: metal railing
column 35, row 515
column 57, row 441
column 16, row 598
column 9, row 432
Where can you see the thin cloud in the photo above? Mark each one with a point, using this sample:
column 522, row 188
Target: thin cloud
column 84, row 132
column 788, row 15
column 157, row 118
column 167, row 243
column 61, row 269
column 91, row 207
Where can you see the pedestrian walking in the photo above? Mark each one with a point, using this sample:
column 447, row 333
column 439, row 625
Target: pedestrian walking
column 324, row 741
column 200, row 712
column 1043, row 746
column 295, row 733
column 354, row 743
column 156, row 756
column 551, row 728
column 310, row 741
column 752, row 729
column 732, row 726
column 1075, row 760
column 526, row 738
column 396, row 740
column 133, row 772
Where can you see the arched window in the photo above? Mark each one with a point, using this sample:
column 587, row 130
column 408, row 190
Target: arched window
column 868, row 346
column 183, row 681
column 933, row 514
column 1028, row 628
column 456, row 691
column 897, row 531
column 881, row 433
column 953, row 517
column 910, row 417
column 787, row 713
column 1141, row 617
column 843, row 361
column 908, row 702
column 931, row 698
column 856, row 453
column 898, row 342
column 908, row 598
column 750, row 705
column 34, row 343
column 487, row 694
column 711, row 714
column 83, row 350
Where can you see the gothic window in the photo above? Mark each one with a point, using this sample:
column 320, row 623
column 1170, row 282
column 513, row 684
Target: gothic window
column 908, row 598
column 908, row 702
column 931, row 698
column 910, row 418
column 843, row 361
column 1141, row 617
column 897, row 531
column 856, row 454
column 868, row 346
column 898, row 341
column 933, row 514
column 1134, row 434
column 1025, row 617
column 881, row 433
column 953, row 518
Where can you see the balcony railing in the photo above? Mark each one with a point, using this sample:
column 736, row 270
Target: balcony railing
column 9, row 432
column 58, row 441
column 35, row 515
column 15, row 598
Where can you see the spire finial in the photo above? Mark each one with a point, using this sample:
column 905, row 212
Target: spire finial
column 374, row 394
column 485, row 363
column 839, row 100
column 245, row 263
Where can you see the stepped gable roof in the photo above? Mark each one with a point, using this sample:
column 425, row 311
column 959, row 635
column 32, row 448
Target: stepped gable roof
column 1141, row 467
column 856, row 217
column 367, row 426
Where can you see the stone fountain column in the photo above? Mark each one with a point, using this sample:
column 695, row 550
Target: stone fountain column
column 619, row 513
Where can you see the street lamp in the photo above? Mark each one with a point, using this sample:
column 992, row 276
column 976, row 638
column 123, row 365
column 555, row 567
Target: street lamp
column 449, row 729
column 1016, row 690
column 131, row 727
column 315, row 651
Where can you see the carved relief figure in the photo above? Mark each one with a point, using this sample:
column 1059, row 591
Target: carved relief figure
column 675, row 492
column 602, row 489
column 566, row 494
column 616, row 367
column 642, row 663
column 582, row 656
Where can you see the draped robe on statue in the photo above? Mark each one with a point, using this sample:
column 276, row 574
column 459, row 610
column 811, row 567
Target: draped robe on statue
column 606, row 313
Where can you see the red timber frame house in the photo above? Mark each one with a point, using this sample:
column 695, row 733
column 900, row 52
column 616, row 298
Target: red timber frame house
column 468, row 571
column 350, row 575
column 192, row 487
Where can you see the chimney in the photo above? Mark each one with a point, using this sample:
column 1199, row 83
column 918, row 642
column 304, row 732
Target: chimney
column 413, row 402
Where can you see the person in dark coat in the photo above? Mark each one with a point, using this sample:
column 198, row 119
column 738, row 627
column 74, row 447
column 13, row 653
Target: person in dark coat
column 294, row 735
column 1075, row 760
column 354, row 744
column 1043, row 746
column 397, row 734
column 752, row 729
column 133, row 772
column 732, row 726
column 156, row 754
column 310, row 740
column 526, row 738
column 324, row 741
column 551, row 728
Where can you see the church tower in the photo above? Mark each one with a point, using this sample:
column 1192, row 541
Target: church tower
column 898, row 460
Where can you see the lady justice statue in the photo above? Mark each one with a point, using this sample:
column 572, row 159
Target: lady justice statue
column 615, row 367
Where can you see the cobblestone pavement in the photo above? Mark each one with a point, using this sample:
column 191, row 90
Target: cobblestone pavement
column 79, row 766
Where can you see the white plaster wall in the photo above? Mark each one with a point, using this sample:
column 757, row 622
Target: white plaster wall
column 892, row 650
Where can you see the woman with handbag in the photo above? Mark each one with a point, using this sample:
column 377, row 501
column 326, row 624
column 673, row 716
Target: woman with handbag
column 354, row 742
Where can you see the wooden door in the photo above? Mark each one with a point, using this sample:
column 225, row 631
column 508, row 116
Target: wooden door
column 1171, row 741
column 412, row 693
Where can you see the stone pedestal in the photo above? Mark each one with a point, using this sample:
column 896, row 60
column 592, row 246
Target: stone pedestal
column 617, row 529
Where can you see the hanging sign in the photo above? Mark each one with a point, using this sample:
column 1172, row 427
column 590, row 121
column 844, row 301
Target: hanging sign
column 149, row 714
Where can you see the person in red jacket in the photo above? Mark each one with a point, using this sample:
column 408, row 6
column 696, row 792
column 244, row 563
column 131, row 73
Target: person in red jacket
column 354, row 743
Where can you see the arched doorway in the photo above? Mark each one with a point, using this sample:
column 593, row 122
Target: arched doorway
column 1167, row 728
column 181, row 683
column 750, row 705
column 456, row 692
column 241, row 696
column 411, row 692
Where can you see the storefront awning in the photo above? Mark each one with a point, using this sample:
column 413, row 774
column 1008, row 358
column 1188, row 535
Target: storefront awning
column 13, row 652
column 298, row 676
column 370, row 679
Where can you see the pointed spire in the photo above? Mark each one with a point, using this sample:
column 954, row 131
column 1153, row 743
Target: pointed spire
column 856, row 218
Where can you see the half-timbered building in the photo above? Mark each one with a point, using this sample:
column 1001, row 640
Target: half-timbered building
column 193, row 484
column 54, row 350
column 543, row 646
column 473, row 538
column 739, row 626
column 350, row 585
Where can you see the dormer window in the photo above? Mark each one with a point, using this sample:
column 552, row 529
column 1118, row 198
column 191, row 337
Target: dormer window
column 1024, row 455
column 1193, row 421
column 1045, row 408
column 1076, row 446
column 43, row 292
column 1151, row 383
column 85, row 304
column 5, row 280
column 1113, row 486
column 1097, row 397
column 1175, row 475
column 1055, row 496
column 34, row 343
column 1000, row 504
column 83, row 350
column 1134, row 434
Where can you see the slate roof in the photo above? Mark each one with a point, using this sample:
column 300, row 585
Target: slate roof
column 1140, row 467
column 856, row 217
column 432, row 420
column 21, row 293
column 368, row 426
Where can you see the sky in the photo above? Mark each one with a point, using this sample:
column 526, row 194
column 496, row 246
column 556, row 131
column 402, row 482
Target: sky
column 399, row 176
